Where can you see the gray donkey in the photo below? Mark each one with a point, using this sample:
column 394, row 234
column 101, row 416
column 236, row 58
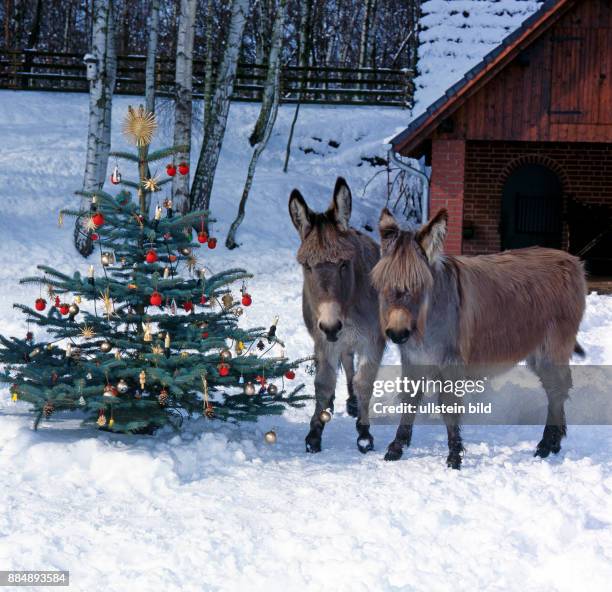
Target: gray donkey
column 340, row 308
column 456, row 312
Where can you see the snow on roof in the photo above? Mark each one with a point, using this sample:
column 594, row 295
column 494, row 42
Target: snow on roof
column 456, row 34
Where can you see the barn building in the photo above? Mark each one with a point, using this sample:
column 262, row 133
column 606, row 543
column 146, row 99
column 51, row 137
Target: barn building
column 520, row 146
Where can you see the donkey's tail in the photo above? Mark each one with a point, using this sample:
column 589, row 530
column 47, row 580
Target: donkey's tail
column 578, row 350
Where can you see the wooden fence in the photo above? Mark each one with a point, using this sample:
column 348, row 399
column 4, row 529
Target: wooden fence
column 65, row 72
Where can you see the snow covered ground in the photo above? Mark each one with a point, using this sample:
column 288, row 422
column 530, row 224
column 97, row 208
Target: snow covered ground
column 217, row 508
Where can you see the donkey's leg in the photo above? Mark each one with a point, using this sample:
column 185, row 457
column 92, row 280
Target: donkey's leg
column 325, row 387
column 369, row 363
column 453, row 431
column 557, row 381
column 348, row 363
column 403, row 435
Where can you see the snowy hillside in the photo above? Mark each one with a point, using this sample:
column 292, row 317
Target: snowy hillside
column 221, row 510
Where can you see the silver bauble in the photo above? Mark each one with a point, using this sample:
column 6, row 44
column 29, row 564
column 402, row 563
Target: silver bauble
column 270, row 437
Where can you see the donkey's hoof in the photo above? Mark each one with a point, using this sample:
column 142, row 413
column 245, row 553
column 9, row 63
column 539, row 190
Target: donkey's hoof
column 365, row 443
column 351, row 406
column 453, row 460
column 313, row 444
column 541, row 451
column 393, row 453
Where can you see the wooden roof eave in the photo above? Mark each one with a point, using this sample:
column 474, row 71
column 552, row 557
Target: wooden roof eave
column 411, row 143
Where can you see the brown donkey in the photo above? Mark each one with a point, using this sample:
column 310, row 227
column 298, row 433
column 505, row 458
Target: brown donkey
column 481, row 310
column 340, row 308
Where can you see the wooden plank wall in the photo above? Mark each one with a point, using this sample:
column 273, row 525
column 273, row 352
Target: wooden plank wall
column 559, row 89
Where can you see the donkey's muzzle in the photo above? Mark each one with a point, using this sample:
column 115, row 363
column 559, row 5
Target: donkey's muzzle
column 331, row 331
column 398, row 337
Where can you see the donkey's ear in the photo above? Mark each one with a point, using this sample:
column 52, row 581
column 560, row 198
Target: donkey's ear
column 342, row 203
column 301, row 214
column 431, row 236
column 387, row 225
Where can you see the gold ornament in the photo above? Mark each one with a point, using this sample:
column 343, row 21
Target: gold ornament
column 73, row 309
column 143, row 379
column 101, row 420
column 109, row 308
column 48, row 408
column 77, row 299
column 107, row 258
column 87, row 332
column 118, row 354
column 270, row 437
column 139, row 126
column 239, row 347
column 163, row 396
column 192, row 263
column 272, row 390
column 227, row 300
column 106, row 346
column 225, row 354
column 157, row 350
column 146, row 327
column 60, row 219
column 325, row 416
column 111, row 422
column 151, row 184
column 90, row 225
column 132, row 287
column 249, row 389
column 238, row 311
column 184, row 354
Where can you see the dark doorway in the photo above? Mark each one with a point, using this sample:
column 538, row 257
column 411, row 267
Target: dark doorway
column 531, row 208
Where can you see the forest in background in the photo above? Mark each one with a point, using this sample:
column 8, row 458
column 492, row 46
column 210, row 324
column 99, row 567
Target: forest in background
column 342, row 33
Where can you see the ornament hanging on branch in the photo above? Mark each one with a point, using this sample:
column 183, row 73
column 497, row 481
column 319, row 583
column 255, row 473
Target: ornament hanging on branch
column 101, row 421
column 170, row 170
column 139, row 126
column 270, row 437
column 183, row 168
column 155, row 299
column 115, row 177
column 40, row 304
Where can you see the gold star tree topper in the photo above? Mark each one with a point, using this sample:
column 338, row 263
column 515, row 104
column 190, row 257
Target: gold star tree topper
column 139, row 126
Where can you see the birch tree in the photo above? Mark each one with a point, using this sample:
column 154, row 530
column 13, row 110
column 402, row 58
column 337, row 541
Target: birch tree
column 96, row 62
column 303, row 61
column 183, row 99
column 211, row 146
column 267, row 117
column 153, row 29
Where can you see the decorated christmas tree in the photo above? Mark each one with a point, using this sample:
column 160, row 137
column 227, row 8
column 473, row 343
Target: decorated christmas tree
column 152, row 335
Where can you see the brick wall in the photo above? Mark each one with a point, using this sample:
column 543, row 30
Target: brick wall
column 584, row 169
column 447, row 186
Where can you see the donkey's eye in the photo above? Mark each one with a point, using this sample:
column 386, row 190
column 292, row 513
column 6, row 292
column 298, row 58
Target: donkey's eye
column 307, row 267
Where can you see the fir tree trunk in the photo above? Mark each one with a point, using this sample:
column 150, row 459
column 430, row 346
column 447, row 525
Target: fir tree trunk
column 267, row 117
column 211, row 147
column 153, row 31
column 183, row 100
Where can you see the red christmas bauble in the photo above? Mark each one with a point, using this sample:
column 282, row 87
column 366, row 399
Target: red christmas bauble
column 203, row 299
column 98, row 219
column 205, row 335
column 212, row 242
column 188, row 306
column 40, row 304
column 151, row 256
column 183, row 168
column 64, row 308
column 290, row 375
column 94, row 236
column 156, row 299
column 202, row 237
column 246, row 299
column 224, row 370
column 171, row 170
column 172, row 258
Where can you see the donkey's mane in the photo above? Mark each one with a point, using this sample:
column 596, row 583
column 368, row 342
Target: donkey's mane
column 327, row 243
column 403, row 268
